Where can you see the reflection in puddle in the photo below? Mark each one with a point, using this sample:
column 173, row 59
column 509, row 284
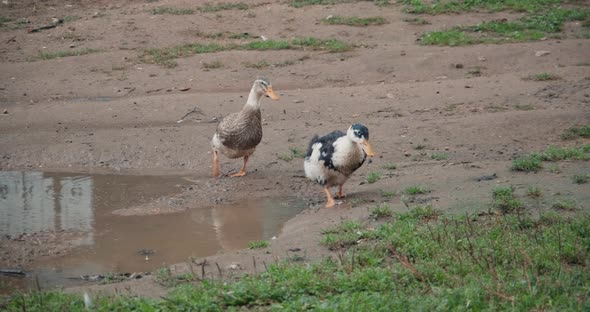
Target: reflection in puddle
column 32, row 202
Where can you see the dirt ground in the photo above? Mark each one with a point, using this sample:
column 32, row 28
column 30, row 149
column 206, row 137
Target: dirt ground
column 110, row 112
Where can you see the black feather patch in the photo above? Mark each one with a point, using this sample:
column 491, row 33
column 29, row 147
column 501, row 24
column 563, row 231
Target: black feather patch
column 327, row 149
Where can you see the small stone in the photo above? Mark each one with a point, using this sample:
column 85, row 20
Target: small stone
column 298, row 101
column 542, row 53
column 481, row 59
column 407, row 154
column 458, row 65
column 5, row 111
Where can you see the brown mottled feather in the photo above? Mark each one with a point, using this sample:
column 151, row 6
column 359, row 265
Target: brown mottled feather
column 241, row 131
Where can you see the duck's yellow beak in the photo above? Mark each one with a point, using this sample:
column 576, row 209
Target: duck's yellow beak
column 368, row 148
column 271, row 94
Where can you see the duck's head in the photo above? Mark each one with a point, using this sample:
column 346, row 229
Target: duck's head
column 359, row 134
column 262, row 86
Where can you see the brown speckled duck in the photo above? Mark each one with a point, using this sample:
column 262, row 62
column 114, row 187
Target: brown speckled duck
column 238, row 134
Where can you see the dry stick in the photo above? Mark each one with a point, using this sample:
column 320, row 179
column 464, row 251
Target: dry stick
column 194, row 110
column 219, row 270
column 203, row 269
column 254, row 262
column 265, row 267
column 406, row 263
column 38, row 285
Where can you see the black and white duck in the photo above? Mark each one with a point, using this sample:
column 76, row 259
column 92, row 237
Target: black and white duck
column 238, row 134
column 331, row 159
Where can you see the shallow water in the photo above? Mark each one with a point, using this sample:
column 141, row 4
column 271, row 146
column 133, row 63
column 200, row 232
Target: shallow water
column 32, row 202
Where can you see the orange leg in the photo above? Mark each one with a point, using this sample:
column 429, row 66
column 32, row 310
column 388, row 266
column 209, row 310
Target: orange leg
column 215, row 164
column 242, row 171
column 340, row 194
column 330, row 202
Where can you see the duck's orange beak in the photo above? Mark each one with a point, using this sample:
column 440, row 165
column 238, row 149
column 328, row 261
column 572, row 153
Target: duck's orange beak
column 368, row 148
column 271, row 94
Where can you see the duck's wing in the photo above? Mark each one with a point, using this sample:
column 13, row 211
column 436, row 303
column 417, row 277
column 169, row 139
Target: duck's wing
column 325, row 144
column 241, row 130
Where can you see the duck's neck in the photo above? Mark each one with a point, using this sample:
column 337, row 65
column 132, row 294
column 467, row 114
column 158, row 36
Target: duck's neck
column 253, row 99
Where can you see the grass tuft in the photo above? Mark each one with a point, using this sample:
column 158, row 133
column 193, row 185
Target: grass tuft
column 208, row 8
column 373, row 177
column 294, row 152
column 390, row 166
column 439, row 156
column 505, row 201
column 172, row 10
column 527, row 164
column 381, row 211
column 416, row 189
column 258, row 244
column 580, row 178
column 543, row 77
column 212, row 65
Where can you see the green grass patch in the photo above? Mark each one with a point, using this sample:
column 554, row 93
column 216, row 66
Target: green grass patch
column 575, row 132
column 172, row 10
column 294, row 152
column 534, row 161
column 208, row 8
column 452, row 37
column 257, row 65
column 167, row 56
column 528, row 28
column 43, row 55
column 416, row 190
column 373, row 177
column 410, row 262
column 542, row 77
column 354, row 21
column 456, row 6
column 527, row 164
column 258, row 244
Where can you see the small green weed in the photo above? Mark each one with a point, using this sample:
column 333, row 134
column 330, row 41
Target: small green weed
column 258, row 244
column 439, row 156
column 542, row 77
column 390, row 166
column 354, row 21
column 534, row 192
column 354, row 202
column 574, row 132
column 416, row 21
column 212, row 65
column 422, row 213
column 172, row 10
column 58, row 54
column 373, row 177
column 416, row 189
column 453, row 6
column 524, row 107
column 586, row 63
column 580, row 178
column 294, row 152
column 346, row 234
column 381, row 211
column 257, row 65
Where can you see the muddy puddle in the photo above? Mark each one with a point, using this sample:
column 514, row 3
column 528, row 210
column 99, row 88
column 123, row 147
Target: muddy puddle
column 42, row 202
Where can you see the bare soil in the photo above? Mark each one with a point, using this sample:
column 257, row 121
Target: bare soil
column 110, row 112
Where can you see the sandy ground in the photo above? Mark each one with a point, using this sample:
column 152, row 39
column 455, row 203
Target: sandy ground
column 110, row 112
